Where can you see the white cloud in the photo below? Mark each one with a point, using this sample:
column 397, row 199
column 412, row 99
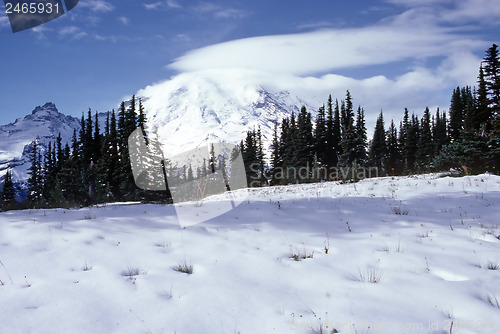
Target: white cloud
column 474, row 10
column 98, row 6
column 449, row 11
column 231, row 13
column 182, row 38
column 4, row 21
column 327, row 50
column 431, row 61
column 40, row 32
column 153, row 5
column 72, row 31
column 220, row 12
column 163, row 4
column 173, row 4
column 124, row 20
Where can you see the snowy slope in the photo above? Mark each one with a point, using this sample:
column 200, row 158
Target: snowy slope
column 44, row 123
column 389, row 255
column 193, row 109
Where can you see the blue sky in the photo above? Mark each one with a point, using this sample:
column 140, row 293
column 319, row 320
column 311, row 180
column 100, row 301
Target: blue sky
column 103, row 51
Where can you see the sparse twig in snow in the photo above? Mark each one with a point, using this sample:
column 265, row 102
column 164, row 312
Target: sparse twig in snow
column 6, row 272
column 310, row 309
column 142, row 321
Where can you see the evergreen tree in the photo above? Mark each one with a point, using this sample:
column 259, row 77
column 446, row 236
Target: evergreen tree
column 333, row 133
column 361, row 138
column 492, row 77
column 127, row 123
column 457, row 110
column 288, row 145
column 304, row 139
column 35, row 181
column 249, row 155
column 320, row 137
column 141, row 120
column 276, row 158
column 378, row 147
column 8, row 200
column 439, row 133
column 97, row 140
column 49, row 174
column 478, row 118
column 260, row 157
column 411, row 144
column 425, row 152
column 348, row 132
column 114, row 158
column 394, row 158
column 58, row 151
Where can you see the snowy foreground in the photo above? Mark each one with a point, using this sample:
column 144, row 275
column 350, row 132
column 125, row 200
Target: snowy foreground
column 402, row 255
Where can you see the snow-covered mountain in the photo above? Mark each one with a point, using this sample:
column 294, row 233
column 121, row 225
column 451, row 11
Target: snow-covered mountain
column 187, row 111
column 193, row 109
column 44, row 124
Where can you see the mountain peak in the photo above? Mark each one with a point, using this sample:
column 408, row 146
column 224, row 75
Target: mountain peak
column 48, row 107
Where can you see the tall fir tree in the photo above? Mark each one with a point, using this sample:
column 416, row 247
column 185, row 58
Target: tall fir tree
column 394, row 157
column 8, row 200
column 35, row 181
column 425, row 152
column 439, row 133
column 457, row 110
column 348, row 132
column 320, row 136
column 492, row 77
column 276, row 158
column 378, row 147
column 412, row 139
column 304, row 143
column 361, row 140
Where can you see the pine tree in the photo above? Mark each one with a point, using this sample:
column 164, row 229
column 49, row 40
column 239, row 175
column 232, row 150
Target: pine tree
column 35, row 181
column 439, row 133
column 378, row 147
column 320, row 137
column 492, row 77
column 127, row 123
column 394, row 157
column 141, row 120
column 58, row 150
column 249, row 155
column 288, row 145
column 260, row 158
column 412, row 138
column 336, row 136
column 304, row 143
column 361, row 138
column 478, row 118
column 8, row 200
column 114, row 158
column 457, row 110
column 97, row 140
column 49, row 173
column 276, row 158
column 425, row 152
column 348, row 132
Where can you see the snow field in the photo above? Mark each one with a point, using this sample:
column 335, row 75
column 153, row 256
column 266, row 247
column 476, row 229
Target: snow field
column 385, row 255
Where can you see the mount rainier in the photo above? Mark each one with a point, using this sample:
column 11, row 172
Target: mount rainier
column 187, row 111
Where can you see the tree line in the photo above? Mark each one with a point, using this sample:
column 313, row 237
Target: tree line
column 95, row 167
column 335, row 145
